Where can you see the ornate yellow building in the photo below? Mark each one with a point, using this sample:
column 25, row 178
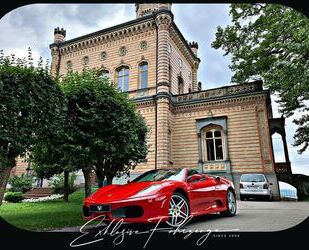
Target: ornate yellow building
column 223, row 131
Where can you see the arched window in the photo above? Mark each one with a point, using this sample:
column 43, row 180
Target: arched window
column 180, row 85
column 123, row 78
column 69, row 64
column 85, row 61
column 104, row 73
column 143, row 69
column 214, row 144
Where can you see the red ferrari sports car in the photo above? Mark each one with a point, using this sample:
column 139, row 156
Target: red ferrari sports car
column 169, row 195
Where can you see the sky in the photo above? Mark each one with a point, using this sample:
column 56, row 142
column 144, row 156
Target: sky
column 33, row 25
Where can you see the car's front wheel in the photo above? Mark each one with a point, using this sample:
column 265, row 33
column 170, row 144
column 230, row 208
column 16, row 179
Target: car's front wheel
column 230, row 203
column 179, row 210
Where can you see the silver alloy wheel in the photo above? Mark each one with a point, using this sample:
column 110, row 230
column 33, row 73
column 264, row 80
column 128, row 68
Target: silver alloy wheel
column 178, row 210
column 231, row 201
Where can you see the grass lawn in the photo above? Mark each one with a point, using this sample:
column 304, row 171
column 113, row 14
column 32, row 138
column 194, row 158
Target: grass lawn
column 45, row 215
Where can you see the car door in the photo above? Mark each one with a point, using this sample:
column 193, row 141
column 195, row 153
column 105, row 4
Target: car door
column 221, row 188
column 202, row 194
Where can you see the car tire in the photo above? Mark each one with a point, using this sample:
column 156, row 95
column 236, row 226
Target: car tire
column 230, row 203
column 242, row 198
column 176, row 199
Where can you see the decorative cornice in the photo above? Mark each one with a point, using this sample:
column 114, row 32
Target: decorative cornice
column 234, row 96
column 163, row 84
column 163, row 95
column 163, row 17
column 106, row 35
column 144, row 102
column 202, row 105
column 222, row 91
column 218, row 102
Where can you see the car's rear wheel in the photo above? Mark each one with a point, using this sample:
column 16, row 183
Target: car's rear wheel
column 179, row 210
column 242, row 198
column 230, row 203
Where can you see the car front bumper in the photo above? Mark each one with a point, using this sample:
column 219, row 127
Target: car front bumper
column 146, row 209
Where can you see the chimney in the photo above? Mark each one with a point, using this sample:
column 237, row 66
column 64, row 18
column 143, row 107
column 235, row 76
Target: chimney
column 194, row 47
column 59, row 35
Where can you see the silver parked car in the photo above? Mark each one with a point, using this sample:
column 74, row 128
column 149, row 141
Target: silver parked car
column 255, row 186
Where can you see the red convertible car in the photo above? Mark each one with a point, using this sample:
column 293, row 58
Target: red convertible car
column 170, row 195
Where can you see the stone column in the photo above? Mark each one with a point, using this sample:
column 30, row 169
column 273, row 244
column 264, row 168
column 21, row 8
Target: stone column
column 286, row 152
column 163, row 21
column 194, row 77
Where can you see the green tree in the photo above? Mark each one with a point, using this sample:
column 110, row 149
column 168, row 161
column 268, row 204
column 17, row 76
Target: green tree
column 108, row 133
column 102, row 131
column 30, row 103
column 271, row 41
column 49, row 158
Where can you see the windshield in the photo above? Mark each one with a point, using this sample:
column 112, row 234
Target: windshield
column 252, row 178
column 162, row 174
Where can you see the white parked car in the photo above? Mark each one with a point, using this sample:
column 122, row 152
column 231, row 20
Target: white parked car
column 255, row 186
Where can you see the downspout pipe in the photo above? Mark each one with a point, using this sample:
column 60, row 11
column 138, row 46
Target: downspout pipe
column 59, row 61
column 156, row 104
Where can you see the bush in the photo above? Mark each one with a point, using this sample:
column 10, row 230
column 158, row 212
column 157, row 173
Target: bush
column 13, row 197
column 57, row 184
column 21, row 183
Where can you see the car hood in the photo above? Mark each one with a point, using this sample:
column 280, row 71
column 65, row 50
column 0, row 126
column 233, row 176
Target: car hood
column 112, row 193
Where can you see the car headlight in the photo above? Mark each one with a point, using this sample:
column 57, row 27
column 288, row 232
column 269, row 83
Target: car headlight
column 147, row 190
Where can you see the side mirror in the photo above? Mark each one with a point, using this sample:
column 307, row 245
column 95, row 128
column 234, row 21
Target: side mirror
column 128, row 181
column 217, row 178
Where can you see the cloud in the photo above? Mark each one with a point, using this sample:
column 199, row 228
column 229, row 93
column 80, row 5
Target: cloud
column 33, row 25
column 199, row 22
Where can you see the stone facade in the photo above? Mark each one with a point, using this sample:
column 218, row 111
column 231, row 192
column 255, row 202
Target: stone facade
column 181, row 117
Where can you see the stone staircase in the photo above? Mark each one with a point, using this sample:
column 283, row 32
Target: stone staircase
column 38, row 193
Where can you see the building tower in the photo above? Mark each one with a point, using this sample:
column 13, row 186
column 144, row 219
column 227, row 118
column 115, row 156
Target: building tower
column 59, row 37
column 144, row 9
column 163, row 18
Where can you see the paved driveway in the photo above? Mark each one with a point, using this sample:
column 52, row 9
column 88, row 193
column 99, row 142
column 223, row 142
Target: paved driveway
column 251, row 216
column 256, row 216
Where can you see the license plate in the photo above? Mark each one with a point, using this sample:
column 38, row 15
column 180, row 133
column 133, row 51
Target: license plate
column 100, row 208
column 254, row 190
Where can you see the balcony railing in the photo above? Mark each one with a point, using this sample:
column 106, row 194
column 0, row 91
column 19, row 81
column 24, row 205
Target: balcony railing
column 220, row 92
column 282, row 168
